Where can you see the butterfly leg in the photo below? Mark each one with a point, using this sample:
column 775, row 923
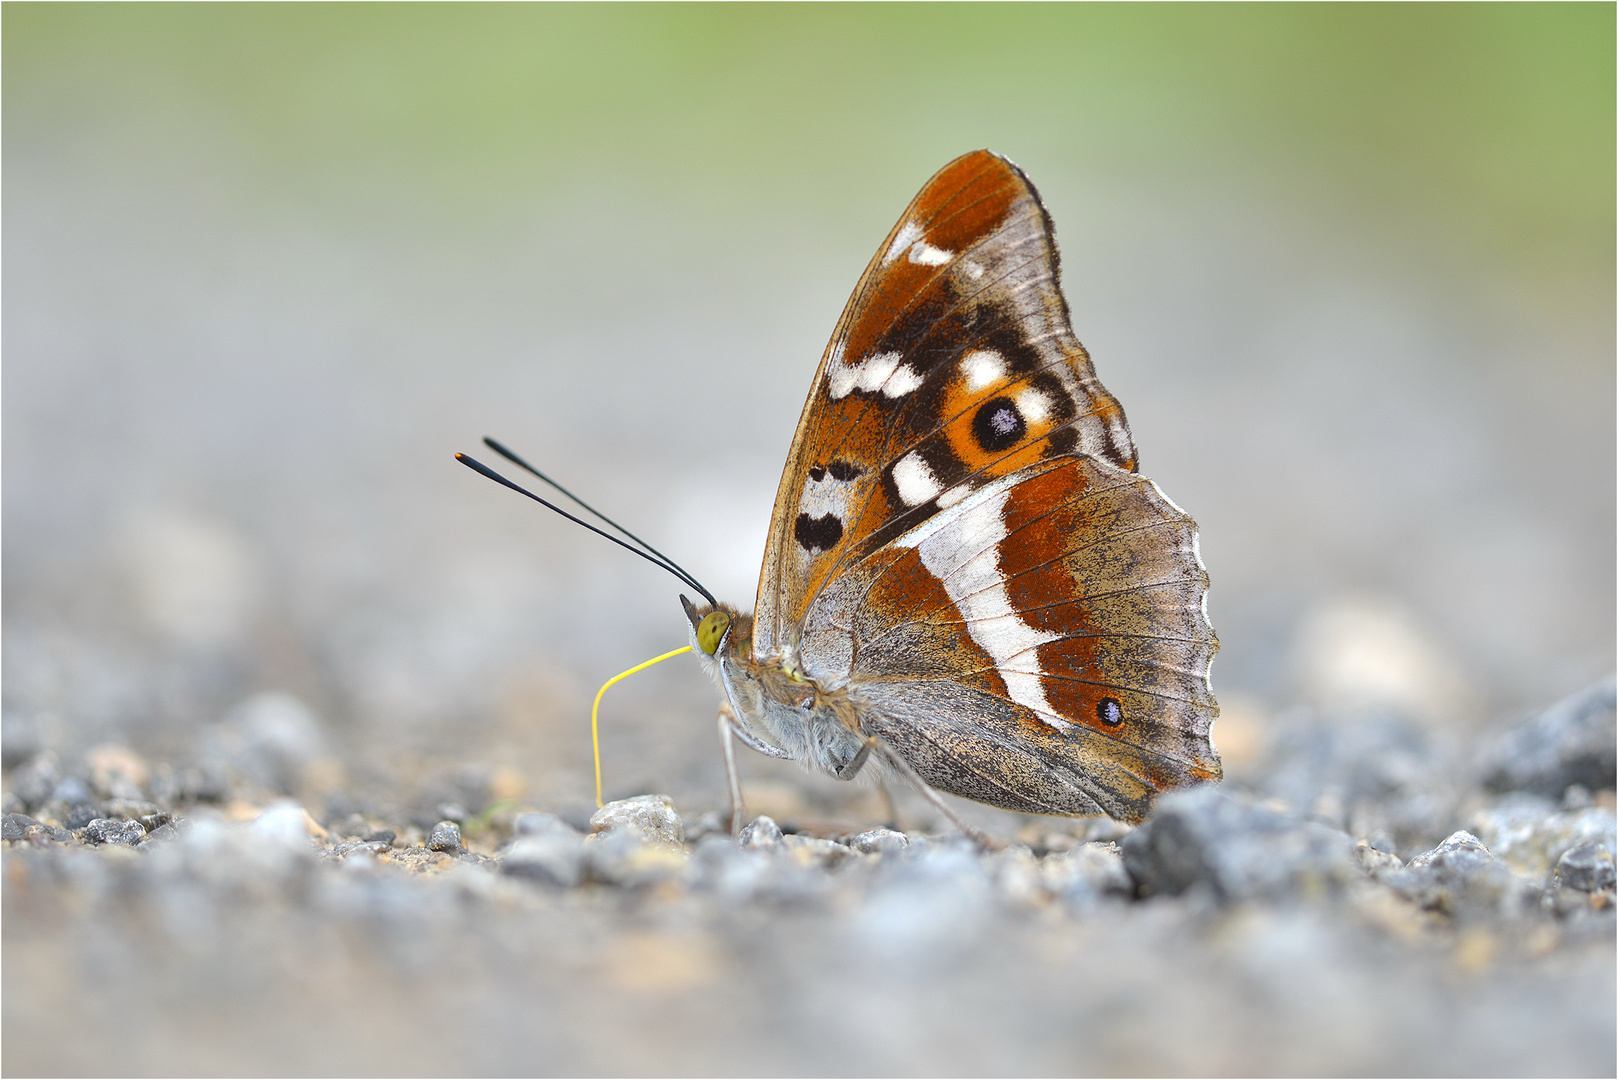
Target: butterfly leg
column 730, row 730
column 893, row 807
column 727, row 727
column 976, row 835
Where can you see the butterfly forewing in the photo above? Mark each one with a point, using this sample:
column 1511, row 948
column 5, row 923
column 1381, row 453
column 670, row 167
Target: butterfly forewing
column 954, row 364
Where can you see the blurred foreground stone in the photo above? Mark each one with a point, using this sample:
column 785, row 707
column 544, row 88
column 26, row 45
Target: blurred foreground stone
column 1575, row 741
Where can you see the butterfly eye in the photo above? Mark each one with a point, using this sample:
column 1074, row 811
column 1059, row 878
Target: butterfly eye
column 710, row 630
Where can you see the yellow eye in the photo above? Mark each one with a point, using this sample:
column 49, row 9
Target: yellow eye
column 710, row 630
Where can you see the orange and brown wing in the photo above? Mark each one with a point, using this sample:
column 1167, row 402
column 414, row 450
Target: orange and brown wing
column 953, row 365
column 1044, row 647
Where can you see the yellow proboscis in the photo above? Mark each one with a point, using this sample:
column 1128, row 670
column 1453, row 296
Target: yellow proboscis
column 595, row 737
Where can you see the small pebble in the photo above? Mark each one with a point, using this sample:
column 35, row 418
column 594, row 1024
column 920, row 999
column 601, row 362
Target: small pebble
column 1461, row 877
column 71, row 791
column 117, row 771
column 15, row 826
column 288, row 826
column 1569, row 743
column 554, row 855
column 761, row 832
column 538, row 823
column 1588, row 868
column 885, row 842
column 1017, row 876
column 381, row 836
column 622, row 858
column 1375, row 861
column 110, row 831
column 163, row 833
column 34, row 782
column 350, row 825
column 1086, row 874
column 1242, row 851
column 77, row 817
column 39, row 836
column 650, row 817
column 812, row 851
column 445, row 837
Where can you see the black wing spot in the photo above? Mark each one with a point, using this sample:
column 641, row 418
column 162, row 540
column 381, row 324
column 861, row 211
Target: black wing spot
column 843, row 471
column 998, row 425
column 816, row 473
column 1109, row 712
column 818, row 533
column 1061, row 441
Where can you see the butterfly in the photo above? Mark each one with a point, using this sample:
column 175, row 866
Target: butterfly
column 967, row 581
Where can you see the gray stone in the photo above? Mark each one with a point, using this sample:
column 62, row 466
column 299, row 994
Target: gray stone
column 738, row 875
column 381, row 836
column 924, row 910
column 1588, row 868
column 1364, row 773
column 1374, row 861
column 71, row 791
column 1239, row 850
column 651, row 818
column 761, row 832
column 117, row 772
column 270, row 738
column 19, row 739
column 814, row 851
column 446, row 837
column 170, row 786
column 1018, row 876
column 15, row 826
column 110, row 831
column 1087, row 874
column 1574, row 741
column 1529, row 835
column 34, row 782
column 165, row 833
column 283, row 827
column 77, row 817
column 709, row 821
column 553, row 855
column 1461, row 877
column 537, row 823
column 885, row 842
column 624, row 858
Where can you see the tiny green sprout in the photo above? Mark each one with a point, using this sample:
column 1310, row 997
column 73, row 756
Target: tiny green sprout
column 710, row 630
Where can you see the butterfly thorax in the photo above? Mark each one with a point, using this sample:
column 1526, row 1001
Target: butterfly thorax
column 776, row 702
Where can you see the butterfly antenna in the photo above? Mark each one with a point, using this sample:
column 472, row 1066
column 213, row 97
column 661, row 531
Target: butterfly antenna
column 479, row 467
column 506, row 452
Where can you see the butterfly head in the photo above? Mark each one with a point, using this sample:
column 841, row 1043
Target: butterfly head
column 718, row 631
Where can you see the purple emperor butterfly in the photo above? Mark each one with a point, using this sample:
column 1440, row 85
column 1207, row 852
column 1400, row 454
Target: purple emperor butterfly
column 967, row 580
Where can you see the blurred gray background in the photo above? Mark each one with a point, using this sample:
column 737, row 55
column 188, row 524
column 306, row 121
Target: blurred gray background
column 266, row 268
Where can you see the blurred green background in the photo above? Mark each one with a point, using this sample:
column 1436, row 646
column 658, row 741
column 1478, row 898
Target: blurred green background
column 1487, row 129
column 1349, row 268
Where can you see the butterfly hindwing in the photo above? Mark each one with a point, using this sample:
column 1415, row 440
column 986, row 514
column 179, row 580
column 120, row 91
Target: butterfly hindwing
column 954, row 364
column 1045, row 640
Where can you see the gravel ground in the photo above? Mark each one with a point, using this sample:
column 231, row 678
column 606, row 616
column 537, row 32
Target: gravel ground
column 1365, row 899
